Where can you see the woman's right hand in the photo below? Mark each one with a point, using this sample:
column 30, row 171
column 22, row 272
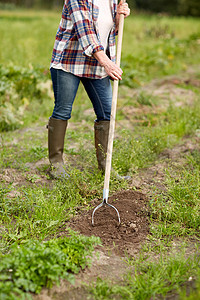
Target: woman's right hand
column 112, row 70
column 110, row 67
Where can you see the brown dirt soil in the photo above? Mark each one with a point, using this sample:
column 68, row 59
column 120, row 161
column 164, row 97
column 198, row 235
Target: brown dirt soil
column 117, row 241
column 124, row 238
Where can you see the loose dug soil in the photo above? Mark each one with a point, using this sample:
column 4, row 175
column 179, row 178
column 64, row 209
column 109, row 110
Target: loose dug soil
column 124, row 238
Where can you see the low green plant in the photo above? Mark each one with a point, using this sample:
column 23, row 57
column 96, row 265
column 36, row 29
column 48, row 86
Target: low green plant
column 38, row 211
column 104, row 290
column 34, row 264
column 18, row 88
column 146, row 99
column 38, row 152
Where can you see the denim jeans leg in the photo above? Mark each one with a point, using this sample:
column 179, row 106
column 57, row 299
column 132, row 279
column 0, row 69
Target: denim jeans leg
column 65, row 86
column 100, row 94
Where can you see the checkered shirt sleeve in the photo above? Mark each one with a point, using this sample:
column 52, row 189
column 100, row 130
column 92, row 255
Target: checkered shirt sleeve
column 77, row 39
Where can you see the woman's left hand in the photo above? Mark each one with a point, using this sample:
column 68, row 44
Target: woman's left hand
column 122, row 8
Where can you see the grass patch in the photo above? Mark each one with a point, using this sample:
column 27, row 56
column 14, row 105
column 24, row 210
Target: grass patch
column 150, row 279
column 37, row 211
column 178, row 210
column 138, row 149
column 158, row 46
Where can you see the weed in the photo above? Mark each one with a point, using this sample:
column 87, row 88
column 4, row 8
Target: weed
column 159, row 31
column 38, row 152
column 103, row 290
column 137, row 149
column 145, row 99
column 32, row 178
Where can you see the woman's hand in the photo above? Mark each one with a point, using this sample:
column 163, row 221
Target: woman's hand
column 110, row 67
column 122, row 8
column 113, row 70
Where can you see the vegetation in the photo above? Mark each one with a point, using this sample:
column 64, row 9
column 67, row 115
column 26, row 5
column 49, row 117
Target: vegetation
column 34, row 264
column 34, row 209
column 21, row 85
column 150, row 279
column 178, row 210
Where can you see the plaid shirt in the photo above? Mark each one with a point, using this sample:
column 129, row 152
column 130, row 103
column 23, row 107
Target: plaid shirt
column 78, row 38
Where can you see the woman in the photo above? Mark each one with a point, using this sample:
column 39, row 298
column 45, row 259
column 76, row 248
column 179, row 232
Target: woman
column 84, row 50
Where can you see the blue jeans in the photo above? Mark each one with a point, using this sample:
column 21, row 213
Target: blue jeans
column 65, row 86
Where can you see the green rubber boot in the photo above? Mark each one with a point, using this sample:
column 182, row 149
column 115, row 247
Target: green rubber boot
column 56, row 136
column 101, row 132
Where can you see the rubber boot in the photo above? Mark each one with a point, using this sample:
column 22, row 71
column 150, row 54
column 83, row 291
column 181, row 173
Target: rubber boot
column 56, row 136
column 101, row 132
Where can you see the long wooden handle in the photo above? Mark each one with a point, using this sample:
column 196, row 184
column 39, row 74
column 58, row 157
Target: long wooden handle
column 113, row 112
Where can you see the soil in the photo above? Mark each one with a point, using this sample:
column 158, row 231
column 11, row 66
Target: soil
column 126, row 237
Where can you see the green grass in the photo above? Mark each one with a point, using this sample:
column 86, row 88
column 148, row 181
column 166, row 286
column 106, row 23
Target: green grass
column 157, row 46
column 142, row 33
column 160, row 271
column 150, row 279
column 178, row 210
column 140, row 148
column 33, row 46
column 133, row 151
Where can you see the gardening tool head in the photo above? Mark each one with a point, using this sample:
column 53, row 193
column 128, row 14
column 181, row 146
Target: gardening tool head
column 105, row 202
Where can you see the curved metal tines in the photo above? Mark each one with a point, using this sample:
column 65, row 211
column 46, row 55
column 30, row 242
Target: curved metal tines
column 100, row 205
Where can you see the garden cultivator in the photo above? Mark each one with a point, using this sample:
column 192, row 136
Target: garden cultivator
column 112, row 127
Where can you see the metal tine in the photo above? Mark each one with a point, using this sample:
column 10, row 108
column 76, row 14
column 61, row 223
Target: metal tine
column 104, row 202
column 116, row 211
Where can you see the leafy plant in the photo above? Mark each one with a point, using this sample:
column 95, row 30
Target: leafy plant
column 18, row 88
column 34, row 264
